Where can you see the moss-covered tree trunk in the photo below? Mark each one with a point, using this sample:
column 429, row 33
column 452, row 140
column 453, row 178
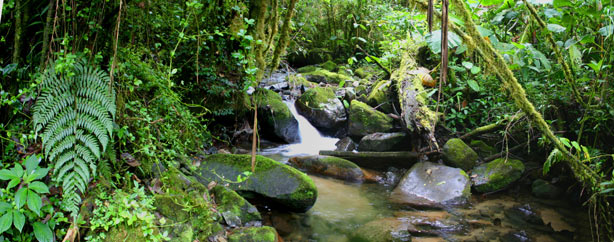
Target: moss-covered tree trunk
column 284, row 38
column 46, row 35
column 258, row 12
column 18, row 32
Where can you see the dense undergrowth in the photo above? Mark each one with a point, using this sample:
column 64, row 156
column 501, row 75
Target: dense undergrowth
column 180, row 71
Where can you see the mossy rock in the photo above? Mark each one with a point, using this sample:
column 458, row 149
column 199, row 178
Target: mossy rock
column 276, row 119
column 329, row 66
column 365, row 72
column 379, row 96
column 543, row 189
column 497, row 174
column 125, row 233
column 365, row 120
column 182, row 191
column 483, row 149
column 299, row 80
column 380, row 142
column 253, row 234
column 306, row 69
column 322, row 75
column 272, row 180
column 383, row 230
column 322, row 108
column 235, row 210
column 328, row 166
column 458, row 154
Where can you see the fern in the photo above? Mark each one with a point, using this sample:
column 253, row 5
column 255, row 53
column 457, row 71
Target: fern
column 74, row 117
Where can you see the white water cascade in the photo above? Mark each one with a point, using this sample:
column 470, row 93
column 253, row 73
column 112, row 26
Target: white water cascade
column 311, row 139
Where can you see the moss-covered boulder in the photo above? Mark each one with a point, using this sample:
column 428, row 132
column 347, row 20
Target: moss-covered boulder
column 276, row 120
column 253, row 234
column 329, row 66
column 328, row 166
column 397, row 141
column 429, row 184
column 380, row 96
column 458, row 154
column 322, row 108
column 543, row 189
column 496, row 175
column 383, row 230
column 235, row 210
column 365, row 120
column 279, row 183
column 306, row 69
column 322, row 75
column 297, row 81
column 484, row 150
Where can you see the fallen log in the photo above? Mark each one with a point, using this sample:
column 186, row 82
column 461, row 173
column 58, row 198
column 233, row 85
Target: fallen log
column 379, row 161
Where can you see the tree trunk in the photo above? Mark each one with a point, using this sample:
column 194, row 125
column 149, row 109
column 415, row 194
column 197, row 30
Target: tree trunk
column 18, row 32
column 46, row 35
column 258, row 12
column 284, row 37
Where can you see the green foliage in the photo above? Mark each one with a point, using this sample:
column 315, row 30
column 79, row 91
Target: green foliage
column 74, row 114
column 13, row 212
column 133, row 209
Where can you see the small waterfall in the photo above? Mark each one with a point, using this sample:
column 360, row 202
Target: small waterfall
column 311, row 139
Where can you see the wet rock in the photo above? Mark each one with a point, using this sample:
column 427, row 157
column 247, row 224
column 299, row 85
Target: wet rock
column 458, row 154
column 428, row 223
column 496, row 175
column 383, row 230
column 523, row 214
column 235, row 210
column 379, row 96
column 373, row 176
column 384, row 142
column 516, row 236
column 325, row 76
column 253, row 234
column 298, row 81
column 271, row 180
column 329, row 166
column 322, row 108
column 346, row 144
column 366, row 120
column 428, row 184
column 484, row 150
column 275, row 116
column 543, row 189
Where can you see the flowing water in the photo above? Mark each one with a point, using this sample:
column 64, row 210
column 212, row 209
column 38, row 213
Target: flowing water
column 343, row 208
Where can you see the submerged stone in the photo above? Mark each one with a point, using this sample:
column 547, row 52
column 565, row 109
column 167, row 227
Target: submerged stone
column 428, row 184
column 272, row 180
column 497, row 174
column 365, row 120
column 235, row 210
column 383, row 230
column 329, row 166
column 253, row 234
column 322, row 108
column 384, row 142
column 275, row 116
column 458, row 154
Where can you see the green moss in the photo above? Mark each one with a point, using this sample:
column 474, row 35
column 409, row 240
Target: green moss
column 497, row 174
column 338, row 162
column 306, row 69
column 253, row 234
column 329, row 66
column 482, row 148
column 125, row 233
column 458, row 154
column 317, row 96
column 322, row 75
column 379, row 96
column 366, row 120
column 297, row 80
column 234, row 207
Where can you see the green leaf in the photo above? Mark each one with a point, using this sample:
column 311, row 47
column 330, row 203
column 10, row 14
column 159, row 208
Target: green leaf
column 467, row 65
column 35, row 203
column 556, row 28
column 40, row 173
column 17, row 170
column 607, row 30
column 474, row 85
column 562, row 3
column 18, row 220
column 519, row 46
column 14, row 182
column 21, row 197
column 31, row 163
column 6, row 221
column 42, row 232
column 7, row 175
column 4, row 206
column 39, row 187
column 475, row 70
column 491, row 2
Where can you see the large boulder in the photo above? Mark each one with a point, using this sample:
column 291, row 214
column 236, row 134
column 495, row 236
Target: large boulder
column 383, row 230
column 366, row 120
column 275, row 116
column 323, row 75
column 253, row 234
column 379, row 96
column 280, row 183
column 384, row 142
column 328, row 166
column 497, row 174
column 322, row 108
column 235, row 210
column 428, row 184
column 458, row 154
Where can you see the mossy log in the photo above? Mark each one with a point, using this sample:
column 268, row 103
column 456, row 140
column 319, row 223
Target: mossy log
column 416, row 115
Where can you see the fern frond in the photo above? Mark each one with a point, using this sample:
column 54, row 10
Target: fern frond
column 75, row 116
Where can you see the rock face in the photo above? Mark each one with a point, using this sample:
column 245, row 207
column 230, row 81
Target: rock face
column 322, row 108
column 496, row 175
column 365, row 120
column 346, row 144
column 272, row 180
column 275, row 116
column 253, row 234
column 458, row 154
column 329, row 166
column 383, row 230
column 235, row 210
column 543, row 189
column 384, row 142
column 428, row 184
column 379, row 96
